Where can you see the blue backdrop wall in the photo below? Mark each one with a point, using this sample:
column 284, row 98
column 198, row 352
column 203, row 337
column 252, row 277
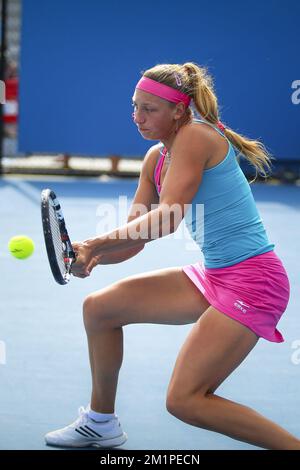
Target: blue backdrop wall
column 80, row 61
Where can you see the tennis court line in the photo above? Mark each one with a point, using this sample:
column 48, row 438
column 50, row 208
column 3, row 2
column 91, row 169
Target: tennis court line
column 33, row 195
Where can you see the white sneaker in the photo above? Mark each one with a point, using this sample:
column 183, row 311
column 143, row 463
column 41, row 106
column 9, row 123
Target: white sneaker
column 85, row 432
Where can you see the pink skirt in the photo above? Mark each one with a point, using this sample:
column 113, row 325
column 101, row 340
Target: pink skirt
column 254, row 292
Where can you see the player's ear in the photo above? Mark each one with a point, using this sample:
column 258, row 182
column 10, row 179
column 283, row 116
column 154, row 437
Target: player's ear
column 179, row 110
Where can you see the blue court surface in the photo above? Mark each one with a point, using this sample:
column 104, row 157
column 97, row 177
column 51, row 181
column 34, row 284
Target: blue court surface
column 44, row 367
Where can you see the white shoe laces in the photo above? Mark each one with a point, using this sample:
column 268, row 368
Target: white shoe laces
column 82, row 416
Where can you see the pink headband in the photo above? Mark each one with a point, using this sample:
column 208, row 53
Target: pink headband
column 163, row 91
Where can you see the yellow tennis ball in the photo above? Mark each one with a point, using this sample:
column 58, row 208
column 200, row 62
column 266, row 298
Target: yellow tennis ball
column 21, row 247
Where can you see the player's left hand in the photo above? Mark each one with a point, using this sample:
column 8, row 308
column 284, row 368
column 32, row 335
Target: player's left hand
column 85, row 261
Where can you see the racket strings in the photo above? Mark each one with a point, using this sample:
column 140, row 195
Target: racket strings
column 56, row 237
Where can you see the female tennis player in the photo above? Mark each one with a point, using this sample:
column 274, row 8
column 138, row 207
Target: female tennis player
column 234, row 297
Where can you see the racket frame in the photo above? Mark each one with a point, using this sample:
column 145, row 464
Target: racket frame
column 49, row 197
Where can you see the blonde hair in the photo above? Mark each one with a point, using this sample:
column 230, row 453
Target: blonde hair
column 196, row 82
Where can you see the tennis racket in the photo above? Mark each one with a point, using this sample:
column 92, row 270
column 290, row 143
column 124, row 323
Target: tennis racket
column 58, row 244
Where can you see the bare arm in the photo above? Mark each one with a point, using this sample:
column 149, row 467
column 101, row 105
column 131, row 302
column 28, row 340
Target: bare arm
column 189, row 156
column 145, row 196
column 119, row 256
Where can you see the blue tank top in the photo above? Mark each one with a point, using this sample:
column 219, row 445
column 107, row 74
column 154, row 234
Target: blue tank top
column 223, row 218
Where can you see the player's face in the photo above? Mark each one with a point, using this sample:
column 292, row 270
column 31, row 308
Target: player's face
column 153, row 116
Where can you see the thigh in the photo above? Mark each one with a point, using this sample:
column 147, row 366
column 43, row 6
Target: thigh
column 216, row 345
column 164, row 296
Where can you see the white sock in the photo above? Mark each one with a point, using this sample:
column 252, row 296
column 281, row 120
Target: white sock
column 100, row 417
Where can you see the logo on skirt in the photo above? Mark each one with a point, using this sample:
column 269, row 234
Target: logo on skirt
column 241, row 306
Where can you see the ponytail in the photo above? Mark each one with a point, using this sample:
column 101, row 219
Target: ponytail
column 206, row 104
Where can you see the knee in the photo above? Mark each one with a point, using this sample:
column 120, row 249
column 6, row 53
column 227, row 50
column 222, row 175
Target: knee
column 183, row 407
column 89, row 311
column 175, row 405
column 95, row 312
column 176, row 400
